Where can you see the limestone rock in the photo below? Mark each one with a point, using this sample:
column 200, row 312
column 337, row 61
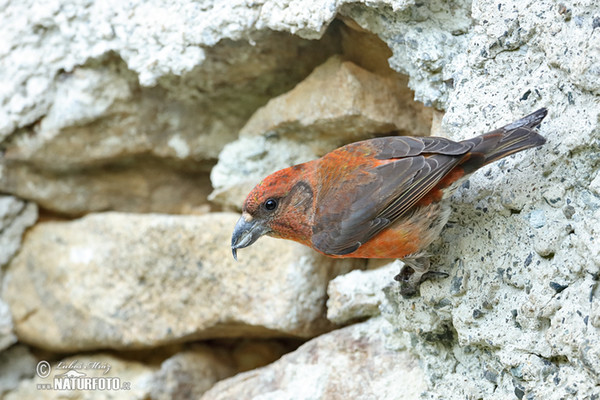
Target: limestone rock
column 16, row 364
column 7, row 336
column 15, row 216
column 140, row 187
column 154, row 41
column 425, row 40
column 338, row 103
column 190, row 373
column 78, row 118
column 348, row 363
column 130, row 377
column 358, row 294
column 78, row 285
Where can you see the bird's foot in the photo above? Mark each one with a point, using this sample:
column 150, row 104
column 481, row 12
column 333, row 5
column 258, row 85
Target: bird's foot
column 413, row 273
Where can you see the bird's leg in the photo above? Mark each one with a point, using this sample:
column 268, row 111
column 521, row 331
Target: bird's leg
column 414, row 272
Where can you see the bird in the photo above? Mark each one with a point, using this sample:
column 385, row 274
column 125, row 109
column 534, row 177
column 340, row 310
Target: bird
column 385, row 197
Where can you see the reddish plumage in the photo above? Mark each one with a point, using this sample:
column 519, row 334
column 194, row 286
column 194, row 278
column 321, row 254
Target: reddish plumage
column 379, row 198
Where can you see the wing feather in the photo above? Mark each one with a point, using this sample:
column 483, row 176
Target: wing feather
column 368, row 199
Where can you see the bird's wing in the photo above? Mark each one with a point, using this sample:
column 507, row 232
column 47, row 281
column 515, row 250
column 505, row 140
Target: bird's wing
column 366, row 186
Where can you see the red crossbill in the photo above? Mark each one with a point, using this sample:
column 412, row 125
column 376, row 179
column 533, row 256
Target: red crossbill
column 385, row 197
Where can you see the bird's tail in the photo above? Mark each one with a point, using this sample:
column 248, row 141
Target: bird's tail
column 509, row 139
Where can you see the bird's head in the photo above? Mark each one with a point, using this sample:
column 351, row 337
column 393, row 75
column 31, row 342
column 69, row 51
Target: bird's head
column 277, row 206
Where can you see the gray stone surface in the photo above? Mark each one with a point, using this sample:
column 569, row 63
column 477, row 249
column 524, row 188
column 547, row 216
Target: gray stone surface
column 155, row 39
column 190, row 373
column 349, row 363
column 15, row 217
column 338, row 103
column 519, row 314
column 79, row 285
column 359, row 294
column 16, row 364
column 7, row 335
column 103, row 106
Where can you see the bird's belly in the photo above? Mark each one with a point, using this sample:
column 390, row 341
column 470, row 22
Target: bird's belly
column 407, row 236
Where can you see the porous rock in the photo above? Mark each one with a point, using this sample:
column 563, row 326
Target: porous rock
column 518, row 315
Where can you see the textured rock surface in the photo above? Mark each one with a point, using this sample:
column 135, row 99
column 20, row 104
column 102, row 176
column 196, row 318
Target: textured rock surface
column 147, row 187
column 15, row 217
column 7, row 335
column 112, row 105
column 191, row 372
column 359, row 294
column 78, row 285
column 348, row 363
column 16, row 364
column 95, row 113
column 338, row 103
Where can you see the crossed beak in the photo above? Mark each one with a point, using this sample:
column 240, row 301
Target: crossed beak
column 246, row 231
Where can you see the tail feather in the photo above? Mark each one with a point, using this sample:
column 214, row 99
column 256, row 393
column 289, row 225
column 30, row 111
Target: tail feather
column 512, row 138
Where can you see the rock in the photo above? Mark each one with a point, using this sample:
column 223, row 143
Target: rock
column 15, row 217
column 89, row 122
column 425, row 41
column 190, row 373
column 503, row 330
column 353, row 362
column 358, row 294
column 16, row 364
column 537, row 219
column 338, row 103
column 128, row 379
column 140, row 187
column 7, row 336
column 78, row 285
column 156, row 44
column 595, row 184
column 243, row 163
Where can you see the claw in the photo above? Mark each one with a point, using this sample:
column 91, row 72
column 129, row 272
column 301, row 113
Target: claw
column 412, row 275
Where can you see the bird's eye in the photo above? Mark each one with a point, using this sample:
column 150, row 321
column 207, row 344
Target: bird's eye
column 271, row 204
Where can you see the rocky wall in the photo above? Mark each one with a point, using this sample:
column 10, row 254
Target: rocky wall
column 135, row 129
